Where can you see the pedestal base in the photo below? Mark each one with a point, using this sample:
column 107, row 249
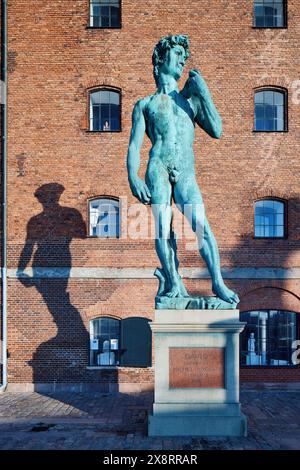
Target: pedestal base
column 197, row 374
column 196, row 425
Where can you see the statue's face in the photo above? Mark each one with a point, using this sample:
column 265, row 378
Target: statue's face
column 174, row 62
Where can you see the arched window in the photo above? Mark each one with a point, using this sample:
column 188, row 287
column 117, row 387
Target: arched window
column 269, row 338
column 269, row 219
column 104, row 217
column 270, row 110
column 105, row 14
column 105, row 111
column 270, row 13
column 125, row 342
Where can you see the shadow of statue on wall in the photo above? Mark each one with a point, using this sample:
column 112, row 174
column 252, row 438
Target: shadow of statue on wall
column 49, row 234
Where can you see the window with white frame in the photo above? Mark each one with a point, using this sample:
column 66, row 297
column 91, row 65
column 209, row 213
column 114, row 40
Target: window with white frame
column 269, row 338
column 269, row 219
column 104, row 342
column 104, row 217
column 270, row 113
column 105, row 111
column 105, row 14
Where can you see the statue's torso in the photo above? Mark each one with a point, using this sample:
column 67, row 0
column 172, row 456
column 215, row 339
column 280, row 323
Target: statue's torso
column 170, row 127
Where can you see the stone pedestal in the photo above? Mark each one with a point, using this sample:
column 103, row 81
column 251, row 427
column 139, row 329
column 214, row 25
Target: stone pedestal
column 197, row 374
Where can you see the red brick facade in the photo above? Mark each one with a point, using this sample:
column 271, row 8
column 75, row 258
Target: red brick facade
column 54, row 60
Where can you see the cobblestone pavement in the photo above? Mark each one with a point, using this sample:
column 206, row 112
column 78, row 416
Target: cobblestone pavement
column 110, row 422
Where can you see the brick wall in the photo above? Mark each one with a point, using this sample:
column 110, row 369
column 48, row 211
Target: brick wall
column 48, row 333
column 53, row 61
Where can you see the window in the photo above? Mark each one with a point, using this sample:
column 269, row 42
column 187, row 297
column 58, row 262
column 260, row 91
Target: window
column 120, row 342
column 105, row 14
column 268, row 338
column 105, row 111
column 270, row 13
column 104, row 342
column 270, row 111
column 269, row 219
column 104, row 218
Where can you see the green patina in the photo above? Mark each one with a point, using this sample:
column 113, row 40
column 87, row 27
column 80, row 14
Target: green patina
column 168, row 117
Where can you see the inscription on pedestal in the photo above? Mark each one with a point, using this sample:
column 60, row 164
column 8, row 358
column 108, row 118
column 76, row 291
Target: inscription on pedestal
column 196, row 368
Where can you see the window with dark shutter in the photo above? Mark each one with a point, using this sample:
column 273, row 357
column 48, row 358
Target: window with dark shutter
column 136, row 342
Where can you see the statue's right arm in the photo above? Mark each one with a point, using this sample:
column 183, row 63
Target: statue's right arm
column 138, row 187
column 27, row 249
column 26, row 256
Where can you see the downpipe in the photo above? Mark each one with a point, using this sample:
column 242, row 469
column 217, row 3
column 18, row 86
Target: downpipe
column 4, row 191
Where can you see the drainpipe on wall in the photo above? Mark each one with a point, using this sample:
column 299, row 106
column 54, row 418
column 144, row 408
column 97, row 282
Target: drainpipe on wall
column 4, row 192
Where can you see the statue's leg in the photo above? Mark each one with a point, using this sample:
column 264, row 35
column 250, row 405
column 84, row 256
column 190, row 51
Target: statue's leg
column 157, row 180
column 189, row 200
column 163, row 220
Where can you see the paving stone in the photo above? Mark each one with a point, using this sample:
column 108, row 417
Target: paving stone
column 290, row 443
column 107, row 422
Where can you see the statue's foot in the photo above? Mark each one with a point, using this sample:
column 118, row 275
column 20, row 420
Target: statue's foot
column 224, row 293
column 174, row 292
column 182, row 290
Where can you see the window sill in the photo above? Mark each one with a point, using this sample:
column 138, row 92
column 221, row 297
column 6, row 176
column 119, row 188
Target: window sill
column 104, row 27
column 269, row 238
column 269, row 27
column 102, row 132
column 269, row 367
column 103, row 238
column 268, row 132
column 102, row 367
column 116, row 367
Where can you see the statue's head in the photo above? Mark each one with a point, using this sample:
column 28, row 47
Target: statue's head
column 179, row 45
column 49, row 194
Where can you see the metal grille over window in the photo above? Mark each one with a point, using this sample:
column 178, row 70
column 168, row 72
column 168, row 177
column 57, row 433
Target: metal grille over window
column 269, row 111
column 105, row 13
column 268, row 338
column 104, row 218
column 104, row 342
column 269, row 219
column 269, row 13
column 105, row 111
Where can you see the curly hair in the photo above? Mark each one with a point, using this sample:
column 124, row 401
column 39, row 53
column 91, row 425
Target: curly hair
column 161, row 48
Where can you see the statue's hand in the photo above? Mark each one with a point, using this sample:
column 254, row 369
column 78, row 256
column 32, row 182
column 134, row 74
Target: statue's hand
column 26, row 280
column 140, row 190
column 195, row 85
